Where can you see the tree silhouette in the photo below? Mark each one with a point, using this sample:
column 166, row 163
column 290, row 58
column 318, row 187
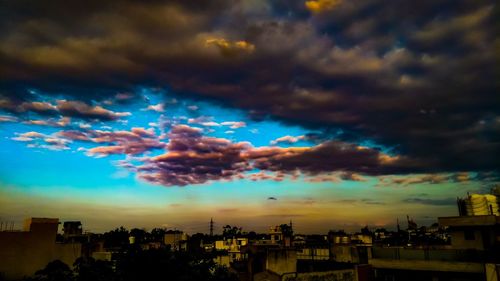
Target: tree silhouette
column 116, row 238
column 286, row 230
column 231, row 231
column 89, row 269
column 158, row 234
column 54, row 271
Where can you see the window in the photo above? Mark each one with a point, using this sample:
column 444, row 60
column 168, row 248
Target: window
column 469, row 235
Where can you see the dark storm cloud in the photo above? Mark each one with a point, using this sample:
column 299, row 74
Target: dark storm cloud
column 420, row 78
column 331, row 156
column 193, row 158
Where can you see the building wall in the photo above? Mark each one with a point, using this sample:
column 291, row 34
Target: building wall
column 399, row 253
column 344, row 253
column 221, row 245
column 281, row 261
column 102, row 256
column 22, row 253
column 422, row 265
column 67, row 252
column 314, row 254
column 175, row 240
column 458, row 240
column 266, row 276
column 337, row 275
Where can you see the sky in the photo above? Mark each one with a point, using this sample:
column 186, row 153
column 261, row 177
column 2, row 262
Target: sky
column 332, row 114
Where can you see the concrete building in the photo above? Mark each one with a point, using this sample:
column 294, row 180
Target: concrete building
column 282, row 264
column 350, row 248
column 473, row 232
column 474, row 253
column 72, row 228
column 232, row 250
column 313, row 254
column 24, row 252
column 177, row 240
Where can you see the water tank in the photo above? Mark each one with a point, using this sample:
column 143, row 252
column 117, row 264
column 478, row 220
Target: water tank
column 480, row 205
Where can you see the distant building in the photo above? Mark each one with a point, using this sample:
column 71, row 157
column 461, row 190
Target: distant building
column 232, row 250
column 350, row 248
column 177, row 240
column 72, row 228
column 24, row 252
column 275, row 234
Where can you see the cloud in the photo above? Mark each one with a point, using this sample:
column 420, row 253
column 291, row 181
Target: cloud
column 157, row 107
column 352, row 176
column 326, row 177
column 372, row 202
column 39, row 140
column 319, row 6
column 230, row 48
column 29, row 136
column 7, row 118
column 204, row 121
column 192, row 158
column 266, row 176
column 84, row 111
column 356, row 71
column 234, row 124
column 62, row 122
column 136, row 141
column 64, row 108
column 288, row 139
column 43, row 108
column 405, row 180
column 106, row 150
column 433, row 202
column 330, row 156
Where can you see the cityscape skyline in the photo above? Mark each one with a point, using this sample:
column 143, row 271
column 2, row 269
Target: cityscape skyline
column 334, row 114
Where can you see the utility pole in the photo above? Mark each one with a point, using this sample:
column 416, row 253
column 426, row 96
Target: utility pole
column 211, row 227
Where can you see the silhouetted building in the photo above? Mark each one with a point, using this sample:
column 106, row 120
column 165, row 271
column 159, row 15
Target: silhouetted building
column 72, row 228
column 24, row 252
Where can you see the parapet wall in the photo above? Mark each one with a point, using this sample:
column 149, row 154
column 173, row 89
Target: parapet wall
column 337, row 275
column 281, row 261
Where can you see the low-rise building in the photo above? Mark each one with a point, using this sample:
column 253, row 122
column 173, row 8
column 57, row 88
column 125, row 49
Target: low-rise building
column 176, row 240
column 474, row 253
column 24, row 252
column 473, row 232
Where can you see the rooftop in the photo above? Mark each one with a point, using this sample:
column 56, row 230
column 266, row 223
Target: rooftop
column 469, row 220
